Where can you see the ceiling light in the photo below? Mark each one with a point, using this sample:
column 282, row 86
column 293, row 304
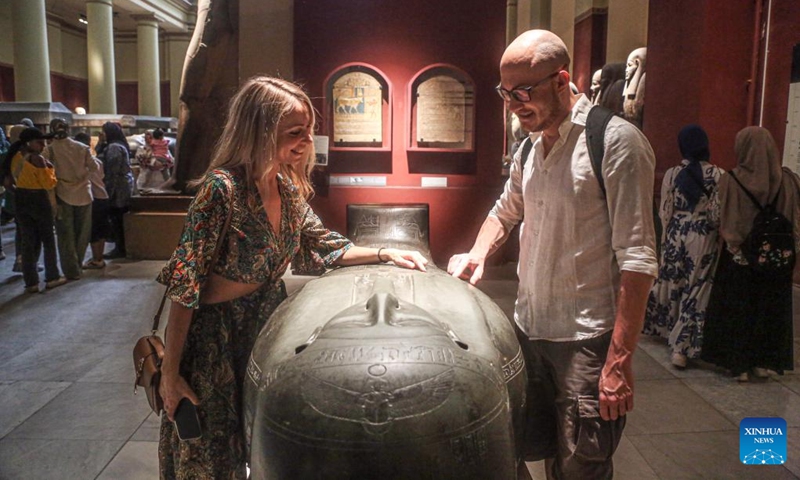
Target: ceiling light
column 82, row 19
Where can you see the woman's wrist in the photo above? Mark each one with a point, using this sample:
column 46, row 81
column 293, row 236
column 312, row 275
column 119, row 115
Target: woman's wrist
column 380, row 258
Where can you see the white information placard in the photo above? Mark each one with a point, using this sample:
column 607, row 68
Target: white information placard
column 791, row 145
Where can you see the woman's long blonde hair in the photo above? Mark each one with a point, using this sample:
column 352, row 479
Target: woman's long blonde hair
column 250, row 134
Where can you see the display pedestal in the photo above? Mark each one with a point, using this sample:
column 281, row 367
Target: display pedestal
column 154, row 224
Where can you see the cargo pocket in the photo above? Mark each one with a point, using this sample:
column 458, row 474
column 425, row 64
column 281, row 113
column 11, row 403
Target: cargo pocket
column 594, row 437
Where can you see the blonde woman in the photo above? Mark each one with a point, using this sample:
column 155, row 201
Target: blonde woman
column 260, row 170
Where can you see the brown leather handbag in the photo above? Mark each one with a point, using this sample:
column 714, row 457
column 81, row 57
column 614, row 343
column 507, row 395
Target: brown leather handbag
column 148, row 353
column 147, row 356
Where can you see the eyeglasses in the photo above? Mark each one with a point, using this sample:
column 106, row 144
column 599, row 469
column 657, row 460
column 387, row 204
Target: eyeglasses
column 522, row 94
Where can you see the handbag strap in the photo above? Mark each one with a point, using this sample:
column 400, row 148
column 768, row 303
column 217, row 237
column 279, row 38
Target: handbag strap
column 214, row 258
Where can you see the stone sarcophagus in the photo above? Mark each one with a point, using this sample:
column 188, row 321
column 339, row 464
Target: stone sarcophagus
column 377, row 372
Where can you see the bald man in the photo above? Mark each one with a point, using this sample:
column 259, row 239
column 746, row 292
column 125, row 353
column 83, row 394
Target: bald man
column 587, row 261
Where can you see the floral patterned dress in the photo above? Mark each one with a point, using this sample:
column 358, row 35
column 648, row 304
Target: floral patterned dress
column 677, row 304
column 222, row 335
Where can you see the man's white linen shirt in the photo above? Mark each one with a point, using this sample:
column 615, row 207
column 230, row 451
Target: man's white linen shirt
column 73, row 162
column 573, row 241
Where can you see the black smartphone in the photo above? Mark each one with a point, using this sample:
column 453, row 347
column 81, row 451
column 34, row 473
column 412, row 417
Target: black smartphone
column 186, row 421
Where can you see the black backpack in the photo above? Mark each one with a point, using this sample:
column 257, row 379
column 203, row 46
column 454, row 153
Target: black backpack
column 596, row 123
column 769, row 247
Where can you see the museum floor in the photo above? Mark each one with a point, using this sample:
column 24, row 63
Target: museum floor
column 67, row 409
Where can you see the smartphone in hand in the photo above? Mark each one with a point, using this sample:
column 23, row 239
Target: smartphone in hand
column 186, row 421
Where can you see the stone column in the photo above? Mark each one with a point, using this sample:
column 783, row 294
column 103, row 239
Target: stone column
column 148, row 65
column 100, row 46
column 511, row 21
column 31, row 56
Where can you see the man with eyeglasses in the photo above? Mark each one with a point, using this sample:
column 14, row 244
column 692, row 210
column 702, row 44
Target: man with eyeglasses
column 587, row 261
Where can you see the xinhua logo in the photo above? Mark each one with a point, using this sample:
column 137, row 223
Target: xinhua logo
column 762, row 441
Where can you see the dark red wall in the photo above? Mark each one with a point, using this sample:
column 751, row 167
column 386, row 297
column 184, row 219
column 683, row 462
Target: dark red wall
column 400, row 38
column 72, row 92
column 165, row 99
column 698, row 66
column 589, row 47
column 128, row 98
column 7, row 83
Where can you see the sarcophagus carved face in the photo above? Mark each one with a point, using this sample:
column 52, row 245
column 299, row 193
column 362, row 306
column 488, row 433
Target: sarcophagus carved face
column 385, row 373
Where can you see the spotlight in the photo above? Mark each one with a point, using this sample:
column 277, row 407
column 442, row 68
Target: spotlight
column 82, row 19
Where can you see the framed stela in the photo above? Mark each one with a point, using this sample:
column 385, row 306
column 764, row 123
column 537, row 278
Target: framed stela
column 357, row 109
column 441, row 120
column 442, row 110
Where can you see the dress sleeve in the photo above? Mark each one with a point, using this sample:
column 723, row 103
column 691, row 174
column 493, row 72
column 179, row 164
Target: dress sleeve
column 319, row 247
column 188, row 267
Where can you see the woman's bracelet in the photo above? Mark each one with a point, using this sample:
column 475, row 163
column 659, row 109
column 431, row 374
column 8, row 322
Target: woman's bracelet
column 379, row 255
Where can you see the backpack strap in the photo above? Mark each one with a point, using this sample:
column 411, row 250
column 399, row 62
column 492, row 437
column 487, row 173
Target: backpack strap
column 526, row 146
column 596, row 123
column 750, row 195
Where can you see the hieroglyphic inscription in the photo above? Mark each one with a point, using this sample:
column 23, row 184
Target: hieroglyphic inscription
column 357, row 112
column 364, row 286
column 253, row 371
column 368, row 224
column 383, row 354
column 442, row 110
column 512, row 368
column 377, row 402
column 471, row 448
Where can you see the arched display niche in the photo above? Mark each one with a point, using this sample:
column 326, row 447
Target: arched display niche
column 358, row 119
column 441, row 119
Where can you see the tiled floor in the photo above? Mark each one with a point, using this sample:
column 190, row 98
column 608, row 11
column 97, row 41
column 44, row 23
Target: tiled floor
column 67, row 409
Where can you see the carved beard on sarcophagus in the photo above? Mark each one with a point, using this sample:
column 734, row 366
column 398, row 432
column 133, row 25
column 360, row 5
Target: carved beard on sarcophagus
column 380, row 372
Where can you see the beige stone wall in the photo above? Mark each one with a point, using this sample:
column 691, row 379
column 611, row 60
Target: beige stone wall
column 627, row 28
column 266, row 48
column 533, row 14
column 6, row 35
column 74, row 54
column 562, row 22
column 173, row 54
column 67, row 50
column 125, row 55
column 54, row 47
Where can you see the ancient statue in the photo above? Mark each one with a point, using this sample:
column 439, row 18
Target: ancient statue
column 377, row 372
column 633, row 95
column 210, row 77
column 594, row 89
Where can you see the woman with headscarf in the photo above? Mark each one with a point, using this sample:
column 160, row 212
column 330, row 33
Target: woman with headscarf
column 749, row 324
column 612, row 84
column 118, row 182
column 689, row 211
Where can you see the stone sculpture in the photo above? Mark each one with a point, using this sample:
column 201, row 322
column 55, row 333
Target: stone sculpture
column 594, row 89
column 376, row 372
column 210, row 77
column 633, row 101
column 612, row 84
